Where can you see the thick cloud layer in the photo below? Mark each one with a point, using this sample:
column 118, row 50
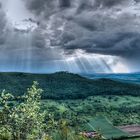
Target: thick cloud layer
column 24, row 49
column 110, row 27
column 2, row 25
column 63, row 27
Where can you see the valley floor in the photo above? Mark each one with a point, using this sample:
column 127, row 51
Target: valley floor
column 120, row 110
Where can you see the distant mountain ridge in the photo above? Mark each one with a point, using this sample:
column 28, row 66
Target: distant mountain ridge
column 129, row 78
column 64, row 85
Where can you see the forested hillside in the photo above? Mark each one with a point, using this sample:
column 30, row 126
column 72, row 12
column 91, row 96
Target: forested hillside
column 65, row 85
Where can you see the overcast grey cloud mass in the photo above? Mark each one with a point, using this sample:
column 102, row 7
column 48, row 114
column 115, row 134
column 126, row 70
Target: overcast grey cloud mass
column 91, row 35
column 2, row 26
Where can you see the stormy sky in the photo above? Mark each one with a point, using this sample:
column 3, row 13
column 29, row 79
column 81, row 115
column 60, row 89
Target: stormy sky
column 82, row 36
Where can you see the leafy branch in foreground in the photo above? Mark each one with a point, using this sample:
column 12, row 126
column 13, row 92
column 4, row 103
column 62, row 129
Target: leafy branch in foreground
column 22, row 120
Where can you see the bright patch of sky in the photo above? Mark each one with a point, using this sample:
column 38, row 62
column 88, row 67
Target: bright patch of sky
column 17, row 14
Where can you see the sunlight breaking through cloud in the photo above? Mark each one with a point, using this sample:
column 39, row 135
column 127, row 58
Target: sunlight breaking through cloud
column 76, row 36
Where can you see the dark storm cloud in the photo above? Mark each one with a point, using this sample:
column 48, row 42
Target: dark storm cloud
column 47, row 7
column 108, row 3
column 121, row 44
column 42, row 7
column 3, row 22
column 38, row 39
column 91, row 5
column 137, row 0
column 108, row 31
column 64, row 3
column 109, row 27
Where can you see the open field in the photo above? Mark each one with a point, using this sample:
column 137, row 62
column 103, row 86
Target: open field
column 131, row 129
column 105, row 128
column 102, row 126
column 121, row 110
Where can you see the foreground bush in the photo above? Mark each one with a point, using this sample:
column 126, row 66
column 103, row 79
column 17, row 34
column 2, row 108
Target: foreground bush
column 22, row 120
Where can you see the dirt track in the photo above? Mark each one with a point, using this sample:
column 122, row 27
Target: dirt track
column 131, row 129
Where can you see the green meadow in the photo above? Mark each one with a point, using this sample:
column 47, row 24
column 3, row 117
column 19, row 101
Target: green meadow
column 120, row 110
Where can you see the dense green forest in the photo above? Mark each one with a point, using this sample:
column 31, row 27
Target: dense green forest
column 65, row 85
column 63, row 105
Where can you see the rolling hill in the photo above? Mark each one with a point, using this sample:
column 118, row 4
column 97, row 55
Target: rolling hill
column 65, row 85
column 123, row 77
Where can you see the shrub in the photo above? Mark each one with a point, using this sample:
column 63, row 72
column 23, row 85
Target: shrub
column 22, row 120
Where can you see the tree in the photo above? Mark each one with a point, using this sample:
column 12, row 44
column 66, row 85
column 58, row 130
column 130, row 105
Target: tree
column 22, row 120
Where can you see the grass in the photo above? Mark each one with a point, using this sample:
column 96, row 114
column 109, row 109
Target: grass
column 80, row 111
column 85, row 111
column 121, row 110
column 104, row 127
